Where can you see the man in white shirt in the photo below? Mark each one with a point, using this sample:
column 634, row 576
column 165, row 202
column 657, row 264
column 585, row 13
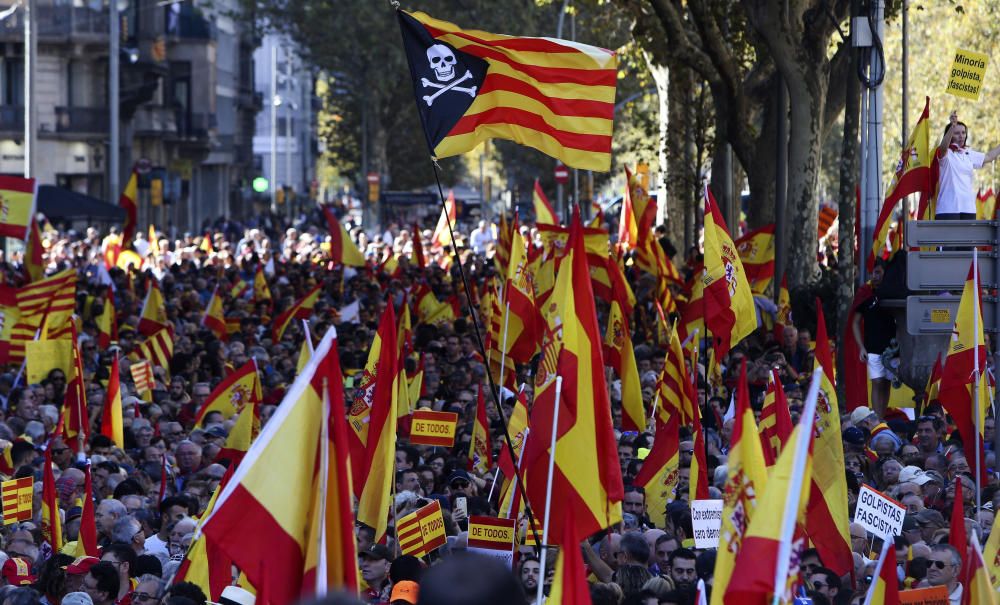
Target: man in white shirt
column 481, row 237
column 956, row 187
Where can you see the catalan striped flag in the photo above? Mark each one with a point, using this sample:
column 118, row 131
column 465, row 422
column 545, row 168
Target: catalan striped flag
column 142, row 377
column 675, row 390
column 411, row 541
column 17, row 206
column 544, row 213
column 553, row 95
column 158, row 348
column 775, row 420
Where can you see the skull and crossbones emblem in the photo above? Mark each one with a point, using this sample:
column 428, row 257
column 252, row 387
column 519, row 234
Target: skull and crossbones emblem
column 442, row 61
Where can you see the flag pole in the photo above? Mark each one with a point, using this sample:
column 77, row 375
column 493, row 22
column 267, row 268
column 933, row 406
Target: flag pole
column 790, row 516
column 308, row 335
column 503, row 349
column 494, row 390
column 975, row 374
column 548, row 494
column 324, row 472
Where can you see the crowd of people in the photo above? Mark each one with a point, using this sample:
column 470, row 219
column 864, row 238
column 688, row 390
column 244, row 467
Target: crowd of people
column 149, row 495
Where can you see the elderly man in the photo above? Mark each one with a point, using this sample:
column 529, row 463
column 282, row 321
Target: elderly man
column 107, row 514
column 374, row 563
column 943, row 567
column 188, row 456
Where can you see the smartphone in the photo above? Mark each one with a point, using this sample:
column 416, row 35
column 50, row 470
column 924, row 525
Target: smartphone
column 462, row 504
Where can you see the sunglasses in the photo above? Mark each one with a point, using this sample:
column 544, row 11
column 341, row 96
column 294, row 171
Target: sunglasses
column 938, row 564
column 460, row 484
column 819, row 585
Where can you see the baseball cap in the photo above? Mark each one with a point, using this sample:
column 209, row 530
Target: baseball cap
column 913, row 474
column 910, row 523
column 216, row 431
column 77, row 598
column 929, row 516
column 406, row 590
column 17, row 572
column 859, row 414
column 459, row 475
column 376, row 551
column 854, row 436
column 81, row 565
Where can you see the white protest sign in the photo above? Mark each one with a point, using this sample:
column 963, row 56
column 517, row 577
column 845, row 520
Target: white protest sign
column 706, row 520
column 879, row 514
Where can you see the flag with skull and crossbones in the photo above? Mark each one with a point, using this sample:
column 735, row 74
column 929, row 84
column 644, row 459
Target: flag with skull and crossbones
column 442, row 62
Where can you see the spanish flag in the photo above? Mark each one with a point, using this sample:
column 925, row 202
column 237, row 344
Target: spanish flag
column 977, row 587
column 86, row 543
column 553, row 95
column 154, row 311
column 342, row 249
column 587, row 475
column 763, row 563
column 241, row 436
column 302, row 309
column 205, row 564
column 745, row 482
column 34, row 263
column 107, row 324
column 449, row 214
column 261, row 291
column 129, row 201
column 507, row 461
column 111, row 417
column 569, row 584
column 238, row 390
column 299, row 544
column 966, row 354
column 828, row 519
column 51, row 519
column 729, row 307
column 74, row 413
column 661, row 469
column 521, row 320
column 993, row 548
column 756, row 250
column 544, row 214
column 214, row 318
column 885, row 589
column 913, row 175
column 17, row 206
column 620, row 355
column 480, row 448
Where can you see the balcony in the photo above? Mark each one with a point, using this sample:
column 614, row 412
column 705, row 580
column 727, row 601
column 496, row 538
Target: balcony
column 82, row 120
column 60, row 24
column 195, row 125
column 12, row 118
column 154, row 120
column 188, row 23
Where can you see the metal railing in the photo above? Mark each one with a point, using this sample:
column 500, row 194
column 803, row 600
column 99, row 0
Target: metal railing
column 82, row 119
column 11, row 118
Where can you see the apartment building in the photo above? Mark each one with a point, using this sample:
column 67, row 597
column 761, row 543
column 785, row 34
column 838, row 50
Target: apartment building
column 187, row 104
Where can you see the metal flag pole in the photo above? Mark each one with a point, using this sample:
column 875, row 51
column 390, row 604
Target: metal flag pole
column 976, row 374
column 548, row 495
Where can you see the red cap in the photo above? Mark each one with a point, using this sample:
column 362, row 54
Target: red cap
column 17, row 572
column 81, row 565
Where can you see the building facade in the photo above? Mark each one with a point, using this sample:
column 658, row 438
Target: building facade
column 187, row 105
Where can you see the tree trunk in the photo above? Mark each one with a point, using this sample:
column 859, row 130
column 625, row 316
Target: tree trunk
column 760, row 174
column 847, row 207
column 807, row 94
column 680, row 159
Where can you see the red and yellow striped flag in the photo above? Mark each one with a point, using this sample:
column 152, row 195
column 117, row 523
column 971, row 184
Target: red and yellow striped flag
column 293, row 549
column 675, row 390
column 745, row 482
column 302, row 309
column 480, row 448
column 544, row 213
column 142, row 376
column 232, row 395
column 966, row 352
column 158, row 349
column 775, row 420
column 129, row 200
column 620, row 355
column 17, row 206
column 342, row 249
column 111, row 416
column 51, row 519
column 885, row 589
column 154, row 311
column 729, row 306
column 214, row 318
column 553, row 95
column 587, row 476
column 661, row 469
column 828, row 518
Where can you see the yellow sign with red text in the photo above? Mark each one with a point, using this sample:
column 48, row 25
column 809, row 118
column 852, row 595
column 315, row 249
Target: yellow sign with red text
column 433, row 428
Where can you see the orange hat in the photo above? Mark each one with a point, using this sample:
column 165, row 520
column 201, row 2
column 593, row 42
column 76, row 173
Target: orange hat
column 405, row 590
column 17, row 572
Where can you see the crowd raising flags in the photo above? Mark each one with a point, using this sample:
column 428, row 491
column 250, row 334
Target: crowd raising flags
column 353, row 408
